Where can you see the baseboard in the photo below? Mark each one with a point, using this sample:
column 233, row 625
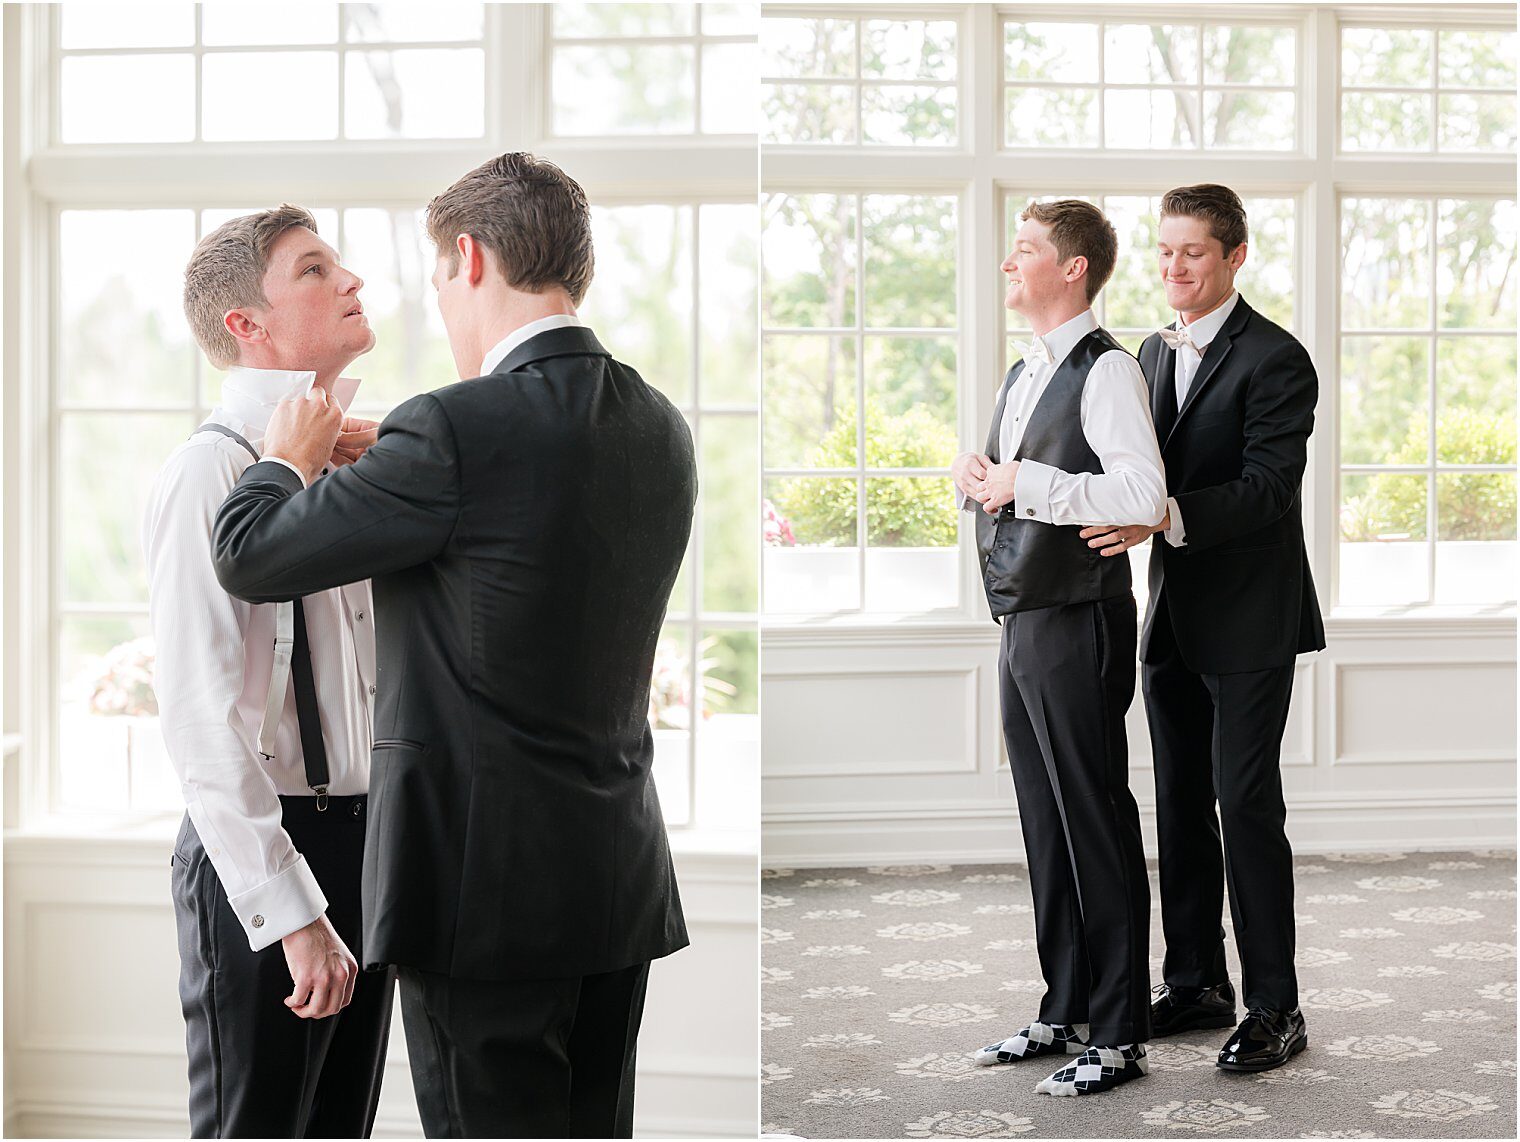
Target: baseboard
column 976, row 834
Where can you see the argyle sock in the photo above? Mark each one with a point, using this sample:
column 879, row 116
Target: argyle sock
column 1098, row 1069
column 1036, row 1039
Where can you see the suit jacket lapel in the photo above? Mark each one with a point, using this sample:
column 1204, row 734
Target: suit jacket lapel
column 1164, row 382
column 1213, row 357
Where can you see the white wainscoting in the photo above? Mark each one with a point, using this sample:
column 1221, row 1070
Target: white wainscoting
column 95, row 1040
column 883, row 745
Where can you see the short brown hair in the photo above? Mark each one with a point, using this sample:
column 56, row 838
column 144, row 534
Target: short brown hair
column 526, row 211
column 1217, row 205
column 227, row 272
column 1079, row 228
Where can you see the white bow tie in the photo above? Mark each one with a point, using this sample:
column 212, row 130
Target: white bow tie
column 1035, row 350
column 1177, row 338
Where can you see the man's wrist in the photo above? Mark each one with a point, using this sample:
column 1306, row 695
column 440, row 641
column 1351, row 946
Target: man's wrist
column 291, row 464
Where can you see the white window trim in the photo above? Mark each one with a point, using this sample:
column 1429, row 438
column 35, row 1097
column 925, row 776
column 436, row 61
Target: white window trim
column 1317, row 175
column 41, row 178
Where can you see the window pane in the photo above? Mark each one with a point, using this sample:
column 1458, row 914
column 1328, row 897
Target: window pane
column 728, row 738
column 248, row 25
column 1384, row 556
column 389, row 250
column 585, row 20
column 728, row 302
column 1475, row 558
column 645, row 89
column 419, row 94
column 640, row 300
column 1475, row 271
column 1476, row 506
column 1062, row 53
column 908, row 49
column 729, row 19
column 808, row 252
column 1477, row 59
column 127, row 25
column 910, row 243
column 1268, row 273
column 389, row 23
column 1477, row 123
column 1150, row 118
column 811, row 113
column 1385, row 400
column 910, row 402
column 730, row 512
column 123, row 338
column 670, row 717
column 1475, row 388
column 1249, row 120
column 730, row 77
column 1385, row 268
column 283, row 109
column 809, row 391
column 1133, row 297
column 908, row 116
column 1386, row 57
column 127, row 99
column 811, row 562
column 1385, row 122
column 1150, row 53
column 1256, row 56
column 807, row 48
column 911, row 536
column 1051, row 117
column 107, row 463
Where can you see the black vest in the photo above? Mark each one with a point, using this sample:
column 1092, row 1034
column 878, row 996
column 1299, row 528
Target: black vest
column 1027, row 564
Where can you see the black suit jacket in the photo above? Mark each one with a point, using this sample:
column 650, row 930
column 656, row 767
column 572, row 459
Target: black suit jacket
column 1238, row 595
column 523, row 532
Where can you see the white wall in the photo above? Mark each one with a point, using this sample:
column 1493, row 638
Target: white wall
column 884, row 745
column 95, row 1039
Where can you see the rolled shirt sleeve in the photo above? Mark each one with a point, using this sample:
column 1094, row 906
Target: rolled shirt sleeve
column 199, row 631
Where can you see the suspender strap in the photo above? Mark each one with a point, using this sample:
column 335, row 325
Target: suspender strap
column 292, row 656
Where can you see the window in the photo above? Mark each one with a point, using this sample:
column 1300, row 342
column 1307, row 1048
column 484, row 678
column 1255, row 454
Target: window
column 674, row 296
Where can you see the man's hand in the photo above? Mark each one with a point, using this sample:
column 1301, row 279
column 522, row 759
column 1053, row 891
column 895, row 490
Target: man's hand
column 354, row 440
column 304, row 431
column 997, row 488
column 969, row 470
column 322, row 969
column 1116, row 540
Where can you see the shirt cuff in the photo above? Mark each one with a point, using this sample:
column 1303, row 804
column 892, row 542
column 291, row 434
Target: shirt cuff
column 1031, row 490
column 279, row 906
column 281, row 460
column 1175, row 535
column 964, row 503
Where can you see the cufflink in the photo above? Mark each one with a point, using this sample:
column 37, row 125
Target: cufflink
column 257, row 921
column 1029, row 511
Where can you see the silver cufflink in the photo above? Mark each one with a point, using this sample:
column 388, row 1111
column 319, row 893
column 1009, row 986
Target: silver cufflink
column 258, row 921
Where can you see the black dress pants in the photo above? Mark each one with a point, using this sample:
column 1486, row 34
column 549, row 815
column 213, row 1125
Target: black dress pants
column 1067, row 675
column 256, row 1069
column 1219, row 737
column 540, row 1058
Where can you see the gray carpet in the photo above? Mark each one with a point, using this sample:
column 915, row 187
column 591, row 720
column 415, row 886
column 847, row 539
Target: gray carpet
column 879, row 983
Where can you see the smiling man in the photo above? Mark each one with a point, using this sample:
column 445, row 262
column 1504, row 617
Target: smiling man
column 266, row 714
column 1071, row 444
column 1231, row 606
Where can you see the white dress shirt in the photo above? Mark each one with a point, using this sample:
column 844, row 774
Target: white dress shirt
column 214, row 656
column 1202, row 331
column 512, row 340
column 1116, row 422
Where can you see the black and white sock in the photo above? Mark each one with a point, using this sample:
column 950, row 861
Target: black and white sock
column 1036, row 1039
column 1097, row 1070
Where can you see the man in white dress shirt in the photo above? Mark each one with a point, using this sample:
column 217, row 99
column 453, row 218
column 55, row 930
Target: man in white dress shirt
column 1071, row 445
column 271, row 741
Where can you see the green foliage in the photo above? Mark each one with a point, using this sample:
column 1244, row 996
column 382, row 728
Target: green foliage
column 900, row 512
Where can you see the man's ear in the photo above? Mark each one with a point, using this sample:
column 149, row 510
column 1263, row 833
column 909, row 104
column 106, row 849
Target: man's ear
column 1237, row 256
column 1076, row 267
column 472, row 260
column 244, row 327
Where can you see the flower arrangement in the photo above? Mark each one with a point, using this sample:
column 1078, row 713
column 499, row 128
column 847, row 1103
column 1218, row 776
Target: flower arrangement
column 123, row 684
column 778, row 529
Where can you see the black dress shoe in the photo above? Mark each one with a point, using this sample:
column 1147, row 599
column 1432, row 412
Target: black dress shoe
column 1267, row 1038
column 1192, row 1008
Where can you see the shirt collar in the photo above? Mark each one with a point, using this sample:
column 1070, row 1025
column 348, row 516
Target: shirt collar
column 249, row 396
column 1064, row 337
column 512, row 340
column 1207, row 327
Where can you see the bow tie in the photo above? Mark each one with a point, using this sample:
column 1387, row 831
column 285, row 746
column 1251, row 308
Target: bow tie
column 1035, row 350
column 1177, row 338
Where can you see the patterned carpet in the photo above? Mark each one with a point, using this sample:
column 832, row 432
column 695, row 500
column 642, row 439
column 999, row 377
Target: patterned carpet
column 880, row 982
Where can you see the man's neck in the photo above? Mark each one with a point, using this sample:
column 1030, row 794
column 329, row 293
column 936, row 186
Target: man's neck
column 1055, row 316
column 1189, row 318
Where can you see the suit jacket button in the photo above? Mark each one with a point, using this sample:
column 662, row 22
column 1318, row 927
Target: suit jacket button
column 257, row 921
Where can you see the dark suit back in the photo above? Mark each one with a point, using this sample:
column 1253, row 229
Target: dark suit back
column 1238, row 595
column 539, row 515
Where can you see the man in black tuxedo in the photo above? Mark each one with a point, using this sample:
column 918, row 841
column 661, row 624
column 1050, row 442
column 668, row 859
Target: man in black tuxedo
column 1231, row 605
column 523, row 531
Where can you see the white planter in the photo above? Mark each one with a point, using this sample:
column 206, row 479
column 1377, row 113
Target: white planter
column 824, row 580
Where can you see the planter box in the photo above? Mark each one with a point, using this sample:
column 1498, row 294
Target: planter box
column 824, row 580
